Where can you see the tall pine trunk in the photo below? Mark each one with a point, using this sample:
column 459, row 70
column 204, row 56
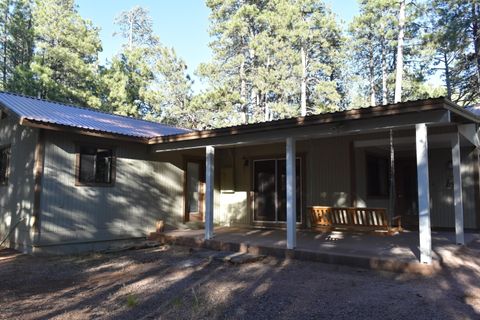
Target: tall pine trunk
column 399, row 67
column 447, row 76
column 371, row 76
column 130, row 33
column 384, row 75
column 5, row 43
column 476, row 39
column 243, row 93
column 303, row 99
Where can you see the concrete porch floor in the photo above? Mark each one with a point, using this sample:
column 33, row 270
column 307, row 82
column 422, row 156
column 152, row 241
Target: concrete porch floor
column 399, row 252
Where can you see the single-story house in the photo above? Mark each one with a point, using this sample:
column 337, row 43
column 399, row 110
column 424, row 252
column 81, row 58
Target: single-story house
column 74, row 178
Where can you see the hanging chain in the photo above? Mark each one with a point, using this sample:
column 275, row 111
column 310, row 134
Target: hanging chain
column 392, row 176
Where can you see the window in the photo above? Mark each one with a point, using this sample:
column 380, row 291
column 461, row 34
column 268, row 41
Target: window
column 377, row 175
column 4, row 165
column 270, row 190
column 95, row 166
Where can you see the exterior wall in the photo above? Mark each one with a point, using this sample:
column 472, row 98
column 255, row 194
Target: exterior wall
column 335, row 175
column 329, row 176
column 17, row 197
column 441, row 185
column 234, row 208
column 146, row 189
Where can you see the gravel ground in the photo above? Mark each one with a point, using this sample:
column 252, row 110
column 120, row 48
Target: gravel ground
column 177, row 283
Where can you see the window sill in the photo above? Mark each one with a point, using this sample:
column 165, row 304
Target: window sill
column 93, row 184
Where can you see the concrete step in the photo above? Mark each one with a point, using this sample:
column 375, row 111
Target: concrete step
column 353, row 260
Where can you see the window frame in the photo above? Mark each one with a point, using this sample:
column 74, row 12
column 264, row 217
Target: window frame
column 78, row 147
column 369, row 155
column 9, row 162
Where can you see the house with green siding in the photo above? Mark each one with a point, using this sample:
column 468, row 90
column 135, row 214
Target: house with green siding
column 76, row 179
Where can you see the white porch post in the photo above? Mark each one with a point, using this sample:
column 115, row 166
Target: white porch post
column 423, row 194
column 457, row 189
column 291, row 194
column 209, row 192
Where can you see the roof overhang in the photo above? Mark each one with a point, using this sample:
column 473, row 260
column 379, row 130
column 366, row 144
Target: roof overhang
column 433, row 112
column 85, row 132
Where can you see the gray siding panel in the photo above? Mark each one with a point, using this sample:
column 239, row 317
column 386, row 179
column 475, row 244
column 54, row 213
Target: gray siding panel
column 441, row 188
column 329, row 176
column 16, row 198
column 144, row 191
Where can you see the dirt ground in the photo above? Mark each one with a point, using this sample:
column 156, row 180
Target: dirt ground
column 178, row 283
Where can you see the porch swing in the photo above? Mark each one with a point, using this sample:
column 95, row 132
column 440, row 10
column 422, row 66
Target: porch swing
column 326, row 218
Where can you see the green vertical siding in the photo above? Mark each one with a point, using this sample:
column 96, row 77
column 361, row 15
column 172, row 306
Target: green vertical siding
column 145, row 190
column 16, row 198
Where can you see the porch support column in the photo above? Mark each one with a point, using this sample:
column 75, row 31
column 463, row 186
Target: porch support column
column 423, row 194
column 209, row 166
column 291, row 194
column 457, row 189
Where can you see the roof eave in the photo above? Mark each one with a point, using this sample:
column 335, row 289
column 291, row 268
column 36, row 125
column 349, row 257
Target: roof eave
column 464, row 113
column 87, row 132
column 375, row 111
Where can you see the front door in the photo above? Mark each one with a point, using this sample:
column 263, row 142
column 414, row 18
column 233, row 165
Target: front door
column 194, row 190
column 269, row 190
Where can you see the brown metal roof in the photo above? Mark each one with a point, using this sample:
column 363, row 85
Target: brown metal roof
column 50, row 112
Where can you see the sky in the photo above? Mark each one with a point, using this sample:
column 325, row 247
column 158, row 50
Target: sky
column 182, row 24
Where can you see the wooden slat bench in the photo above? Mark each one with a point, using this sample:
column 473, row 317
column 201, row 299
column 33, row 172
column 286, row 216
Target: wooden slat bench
column 362, row 219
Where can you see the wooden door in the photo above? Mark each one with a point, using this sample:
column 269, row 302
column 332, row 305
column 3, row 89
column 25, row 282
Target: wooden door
column 194, row 190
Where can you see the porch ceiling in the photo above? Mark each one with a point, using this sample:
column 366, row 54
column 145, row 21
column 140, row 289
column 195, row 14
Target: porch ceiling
column 302, row 130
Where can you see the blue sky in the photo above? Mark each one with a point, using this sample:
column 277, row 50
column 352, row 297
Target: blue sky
column 182, row 24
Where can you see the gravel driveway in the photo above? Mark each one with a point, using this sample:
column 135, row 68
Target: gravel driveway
column 178, row 283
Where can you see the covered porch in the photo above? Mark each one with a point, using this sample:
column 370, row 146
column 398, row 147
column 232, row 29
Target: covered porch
column 413, row 127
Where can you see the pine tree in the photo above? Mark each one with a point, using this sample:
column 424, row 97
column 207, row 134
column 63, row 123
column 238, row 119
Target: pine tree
column 454, row 39
column 317, row 41
column 388, row 55
column 146, row 79
column 20, row 47
column 65, row 62
column 281, row 57
column 16, row 45
column 124, row 83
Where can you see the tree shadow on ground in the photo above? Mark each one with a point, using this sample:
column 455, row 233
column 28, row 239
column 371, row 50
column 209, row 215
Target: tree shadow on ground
column 177, row 283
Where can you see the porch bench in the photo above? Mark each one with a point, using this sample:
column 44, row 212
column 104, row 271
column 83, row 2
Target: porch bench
column 349, row 218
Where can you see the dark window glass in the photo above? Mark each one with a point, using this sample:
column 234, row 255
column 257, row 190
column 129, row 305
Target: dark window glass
column 270, row 190
column 377, row 176
column 264, row 188
column 95, row 165
column 282, row 190
column 4, row 165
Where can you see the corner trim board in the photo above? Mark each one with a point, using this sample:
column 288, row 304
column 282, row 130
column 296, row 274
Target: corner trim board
column 38, row 176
